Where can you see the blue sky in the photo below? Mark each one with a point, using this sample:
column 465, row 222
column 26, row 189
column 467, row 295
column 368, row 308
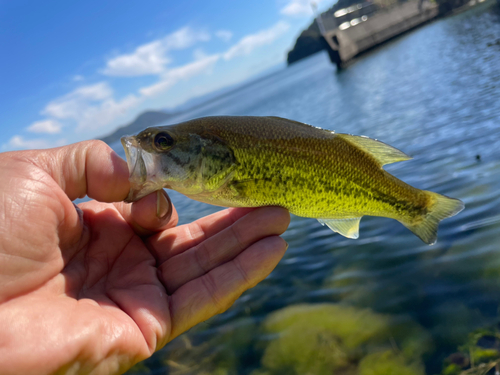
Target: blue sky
column 74, row 70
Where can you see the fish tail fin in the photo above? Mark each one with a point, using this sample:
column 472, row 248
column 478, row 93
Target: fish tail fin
column 441, row 207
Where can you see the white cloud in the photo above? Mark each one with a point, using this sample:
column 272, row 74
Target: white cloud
column 147, row 59
column 73, row 104
column 98, row 91
column 102, row 115
column 19, row 143
column 45, row 126
column 250, row 42
column 91, row 107
column 299, row 7
column 151, row 58
column 78, row 78
column 225, row 35
column 199, row 54
column 172, row 76
column 184, row 38
column 156, row 89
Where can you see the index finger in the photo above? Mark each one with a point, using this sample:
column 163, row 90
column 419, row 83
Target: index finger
column 177, row 240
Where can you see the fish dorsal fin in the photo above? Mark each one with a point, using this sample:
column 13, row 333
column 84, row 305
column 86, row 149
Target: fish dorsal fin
column 347, row 227
column 383, row 153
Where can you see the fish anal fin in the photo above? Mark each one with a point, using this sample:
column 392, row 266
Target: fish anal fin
column 380, row 151
column 346, row 227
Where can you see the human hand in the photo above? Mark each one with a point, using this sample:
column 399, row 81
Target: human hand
column 97, row 288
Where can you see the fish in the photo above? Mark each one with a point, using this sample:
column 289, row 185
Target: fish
column 250, row 161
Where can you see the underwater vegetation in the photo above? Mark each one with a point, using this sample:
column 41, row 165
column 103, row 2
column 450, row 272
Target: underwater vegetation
column 301, row 339
column 332, row 338
column 479, row 355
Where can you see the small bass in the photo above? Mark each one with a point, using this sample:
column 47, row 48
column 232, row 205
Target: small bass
column 249, row 161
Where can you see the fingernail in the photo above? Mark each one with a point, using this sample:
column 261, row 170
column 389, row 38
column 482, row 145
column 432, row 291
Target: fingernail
column 163, row 205
column 286, row 248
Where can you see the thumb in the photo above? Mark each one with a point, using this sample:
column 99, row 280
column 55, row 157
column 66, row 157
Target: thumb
column 89, row 168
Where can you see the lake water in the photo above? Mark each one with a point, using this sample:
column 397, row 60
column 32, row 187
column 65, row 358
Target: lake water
column 385, row 303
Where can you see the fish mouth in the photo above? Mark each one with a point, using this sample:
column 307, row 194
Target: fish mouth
column 138, row 162
column 131, row 152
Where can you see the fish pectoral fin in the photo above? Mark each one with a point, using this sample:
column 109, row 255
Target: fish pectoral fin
column 381, row 152
column 347, row 227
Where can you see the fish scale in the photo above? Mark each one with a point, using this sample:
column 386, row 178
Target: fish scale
column 323, row 181
column 269, row 161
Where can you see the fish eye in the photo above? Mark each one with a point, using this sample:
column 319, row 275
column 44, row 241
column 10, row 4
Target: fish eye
column 163, row 141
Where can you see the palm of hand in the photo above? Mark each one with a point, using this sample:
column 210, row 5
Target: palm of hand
column 97, row 289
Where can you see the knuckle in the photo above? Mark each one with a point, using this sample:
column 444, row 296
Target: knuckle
column 237, row 235
column 202, row 257
column 243, row 273
column 212, row 291
column 94, row 143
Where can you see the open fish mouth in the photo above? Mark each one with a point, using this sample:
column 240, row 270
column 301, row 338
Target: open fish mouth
column 132, row 153
column 138, row 161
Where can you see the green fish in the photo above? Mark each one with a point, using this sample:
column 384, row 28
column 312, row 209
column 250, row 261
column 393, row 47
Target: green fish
column 248, row 161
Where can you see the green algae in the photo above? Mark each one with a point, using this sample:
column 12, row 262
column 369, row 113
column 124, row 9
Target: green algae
column 389, row 363
column 331, row 338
